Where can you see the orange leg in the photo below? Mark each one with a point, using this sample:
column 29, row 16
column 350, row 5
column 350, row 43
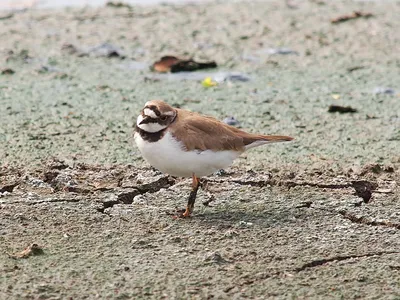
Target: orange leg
column 192, row 197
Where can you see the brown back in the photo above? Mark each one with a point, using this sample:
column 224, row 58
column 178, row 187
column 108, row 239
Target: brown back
column 199, row 132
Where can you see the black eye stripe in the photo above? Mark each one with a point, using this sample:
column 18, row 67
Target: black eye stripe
column 161, row 121
column 149, row 120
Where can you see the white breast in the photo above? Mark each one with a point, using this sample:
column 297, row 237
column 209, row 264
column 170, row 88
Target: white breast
column 168, row 155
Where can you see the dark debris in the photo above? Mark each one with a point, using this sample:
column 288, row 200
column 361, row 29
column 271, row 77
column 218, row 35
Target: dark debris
column 352, row 16
column 341, row 109
column 173, row 64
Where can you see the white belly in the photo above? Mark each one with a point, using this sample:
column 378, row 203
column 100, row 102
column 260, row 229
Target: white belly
column 169, row 156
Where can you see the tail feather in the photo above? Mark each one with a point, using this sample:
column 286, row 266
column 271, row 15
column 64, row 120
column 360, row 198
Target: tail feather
column 276, row 138
column 258, row 140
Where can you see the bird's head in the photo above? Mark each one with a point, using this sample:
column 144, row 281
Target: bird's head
column 155, row 116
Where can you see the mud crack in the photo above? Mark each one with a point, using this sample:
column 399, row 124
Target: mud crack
column 313, row 264
column 364, row 220
column 362, row 188
column 129, row 193
column 323, row 261
column 316, row 185
column 251, row 182
column 8, row 188
column 155, row 186
column 125, row 197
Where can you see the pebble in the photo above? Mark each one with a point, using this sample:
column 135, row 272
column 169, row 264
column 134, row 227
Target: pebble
column 231, row 121
column 384, row 90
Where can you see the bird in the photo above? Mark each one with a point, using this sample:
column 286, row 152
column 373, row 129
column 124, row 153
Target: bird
column 182, row 143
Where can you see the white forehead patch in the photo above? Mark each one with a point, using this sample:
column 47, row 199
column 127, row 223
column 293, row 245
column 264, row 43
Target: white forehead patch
column 150, row 113
column 139, row 119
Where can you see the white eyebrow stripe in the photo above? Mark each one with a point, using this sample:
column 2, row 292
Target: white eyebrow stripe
column 148, row 112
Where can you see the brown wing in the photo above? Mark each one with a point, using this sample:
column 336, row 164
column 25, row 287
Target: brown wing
column 199, row 132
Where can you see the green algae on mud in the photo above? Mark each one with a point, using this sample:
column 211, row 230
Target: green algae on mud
column 254, row 240
column 84, row 108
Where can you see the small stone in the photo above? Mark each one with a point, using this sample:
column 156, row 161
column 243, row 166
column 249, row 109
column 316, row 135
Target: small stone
column 176, row 239
column 231, row 121
column 4, row 194
column 244, row 224
column 221, row 173
column 281, row 51
column 139, row 199
column 107, row 50
column 230, row 233
column 384, row 90
column 215, row 257
column 7, row 71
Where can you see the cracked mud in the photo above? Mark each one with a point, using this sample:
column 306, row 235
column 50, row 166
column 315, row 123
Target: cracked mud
column 121, row 210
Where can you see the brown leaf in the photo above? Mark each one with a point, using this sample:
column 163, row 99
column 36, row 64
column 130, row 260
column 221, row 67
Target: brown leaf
column 173, row 64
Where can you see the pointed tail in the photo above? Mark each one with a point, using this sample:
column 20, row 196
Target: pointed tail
column 276, row 138
column 259, row 140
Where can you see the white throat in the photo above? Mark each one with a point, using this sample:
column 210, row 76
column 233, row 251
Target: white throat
column 149, row 127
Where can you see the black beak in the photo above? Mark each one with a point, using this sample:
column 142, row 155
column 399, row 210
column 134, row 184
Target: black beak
column 144, row 121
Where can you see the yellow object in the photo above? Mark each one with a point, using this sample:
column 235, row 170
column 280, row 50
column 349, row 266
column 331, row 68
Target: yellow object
column 335, row 96
column 208, row 82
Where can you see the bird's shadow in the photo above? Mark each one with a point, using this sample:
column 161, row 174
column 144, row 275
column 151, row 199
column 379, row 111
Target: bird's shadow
column 241, row 218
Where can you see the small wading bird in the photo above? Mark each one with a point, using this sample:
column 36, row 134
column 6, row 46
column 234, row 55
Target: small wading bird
column 186, row 144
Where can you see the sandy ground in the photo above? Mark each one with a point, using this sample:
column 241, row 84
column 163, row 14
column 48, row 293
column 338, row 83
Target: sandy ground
column 315, row 218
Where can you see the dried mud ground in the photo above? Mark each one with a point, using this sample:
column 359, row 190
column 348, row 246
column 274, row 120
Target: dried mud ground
column 316, row 218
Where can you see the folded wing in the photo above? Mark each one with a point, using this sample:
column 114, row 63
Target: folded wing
column 206, row 133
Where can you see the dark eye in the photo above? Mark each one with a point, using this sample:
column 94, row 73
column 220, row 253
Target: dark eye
column 163, row 118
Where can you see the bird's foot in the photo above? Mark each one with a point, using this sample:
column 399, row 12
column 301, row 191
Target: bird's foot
column 182, row 213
